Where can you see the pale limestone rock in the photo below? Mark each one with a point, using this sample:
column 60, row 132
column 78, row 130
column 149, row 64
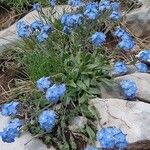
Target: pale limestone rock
column 20, row 143
column 131, row 117
column 9, row 36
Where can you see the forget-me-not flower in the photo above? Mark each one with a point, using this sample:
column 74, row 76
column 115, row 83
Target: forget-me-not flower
column 42, row 37
column 22, row 29
column 141, row 67
column 129, row 88
column 47, row 120
column 11, row 131
column 144, row 56
column 53, row 2
column 37, row 7
column 91, row 10
column 104, row 5
column 43, row 83
column 72, row 20
column 55, row 92
column 10, row 109
column 98, row 39
column 120, row 68
column 115, row 6
column 115, row 16
column 36, row 25
column 75, row 3
column 112, row 138
column 127, row 44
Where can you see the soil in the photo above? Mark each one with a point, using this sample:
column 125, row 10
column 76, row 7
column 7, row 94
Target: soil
column 5, row 78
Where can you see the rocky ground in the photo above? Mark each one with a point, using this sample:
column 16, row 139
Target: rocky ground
column 130, row 116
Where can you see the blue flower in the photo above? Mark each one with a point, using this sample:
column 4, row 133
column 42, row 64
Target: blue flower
column 22, row 29
column 67, row 30
column 11, row 131
column 53, row 2
column 104, row 5
column 115, row 6
column 47, row 28
column 36, row 25
column 115, row 16
column 98, row 38
column 91, row 148
column 144, row 56
column 10, row 109
column 55, row 92
column 37, row 7
column 72, row 20
column 141, row 67
column 47, row 120
column 119, row 32
column 112, row 138
column 43, row 83
column 42, row 37
column 129, row 88
column 92, row 10
column 75, row 3
column 120, row 68
column 126, row 44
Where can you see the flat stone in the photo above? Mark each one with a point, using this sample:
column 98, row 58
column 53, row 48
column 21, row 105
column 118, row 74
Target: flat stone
column 131, row 117
column 9, row 36
column 142, row 81
column 78, row 122
column 138, row 20
column 20, row 143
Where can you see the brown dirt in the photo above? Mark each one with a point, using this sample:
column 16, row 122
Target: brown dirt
column 5, row 78
column 140, row 145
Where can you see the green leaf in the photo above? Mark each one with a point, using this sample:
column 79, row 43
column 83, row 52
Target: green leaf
column 81, row 85
column 91, row 133
column 72, row 84
column 94, row 91
column 87, row 82
column 83, row 99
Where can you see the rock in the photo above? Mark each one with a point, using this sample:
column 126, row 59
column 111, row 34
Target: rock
column 131, row 117
column 19, row 144
column 142, row 81
column 9, row 36
column 78, row 123
column 138, row 20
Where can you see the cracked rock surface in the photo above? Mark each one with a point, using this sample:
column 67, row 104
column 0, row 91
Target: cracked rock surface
column 142, row 81
column 131, row 117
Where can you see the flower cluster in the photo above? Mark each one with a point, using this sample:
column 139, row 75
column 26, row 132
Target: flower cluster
column 141, row 67
column 120, row 68
column 54, row 92
column 43, row 83
column 11, row 131
column 75, row 3
column 10, row 109
column 104, row 5
column 129, row 88
column 22, row 29
column 144, row 56
column 91, row 10
column 52, row 2
column 98, row 38
column 37, row 7
column 71, row 21
column 126, row 43
column 25, row 31
column 47, row 120
column 112, row 138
